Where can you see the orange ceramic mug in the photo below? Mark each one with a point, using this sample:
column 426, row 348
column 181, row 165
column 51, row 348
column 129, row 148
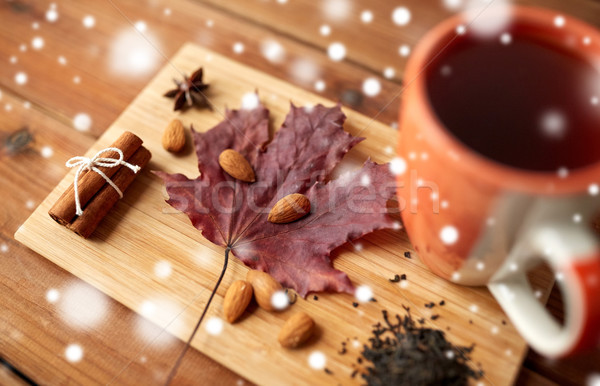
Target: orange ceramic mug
column 484, row 202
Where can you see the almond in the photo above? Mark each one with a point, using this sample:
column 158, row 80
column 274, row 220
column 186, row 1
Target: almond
column 173, row 138
column 236, row 165
column 289, row 208
column 236, row 300
column 296, row 330
column 264, row 287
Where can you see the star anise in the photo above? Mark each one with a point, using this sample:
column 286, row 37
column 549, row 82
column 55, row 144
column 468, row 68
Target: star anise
column 189, row 92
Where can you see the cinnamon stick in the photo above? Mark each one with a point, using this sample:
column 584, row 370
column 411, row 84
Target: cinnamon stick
column 90, row 183
column 99, row 206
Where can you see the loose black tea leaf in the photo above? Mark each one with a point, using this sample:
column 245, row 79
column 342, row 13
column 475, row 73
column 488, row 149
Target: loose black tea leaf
column 443, row 302
column 403, row 276
column 315, row 297
column 430, row 305
column 396, row 279
column 407, row 255
column 354, row 304
column 434, row 317
column 400, row 353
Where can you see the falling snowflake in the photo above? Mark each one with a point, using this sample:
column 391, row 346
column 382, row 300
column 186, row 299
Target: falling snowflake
column 371, row 87
column 593, row 189
column 214, row 325
column 453, row 5
column 594, row 100
column 480, row 265
column 89, row 21
column 238, row 47
column 167, row 12
column 553, row 124
column 506, row 38
column 30, row 204
column 304, row 70
column 320, row 86
column 13, row 59
column 366, row 16
column 76, row 79
column 250, row 101
column 404, row 50
column 163, row 269
column 317, row 360
column 52, row 15
column 513, row 267
column 280, row 300
column 21, row 78
column 446, row 71
column 147, row 308
column 559, row 21
column 52, row 295
column 82, row 122
column 272, row 50
column 398, row 166
column 461, row 29
column 586, row 40
column 401, row 16
column 455, row 276
column 389, row 72
column 336, row 51
column 325, row 30
column 62, row 60
column 494, row 330
column 363, row 294
column 449, row 235
column 577, row 218
column 563, row 172
column 74, row 353
column 37, row 43
column 337, row 10
column 141, row 26
column 210, row 23
column 474, row 308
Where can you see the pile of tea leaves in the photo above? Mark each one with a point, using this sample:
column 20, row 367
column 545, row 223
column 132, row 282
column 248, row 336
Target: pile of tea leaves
column 401, row 353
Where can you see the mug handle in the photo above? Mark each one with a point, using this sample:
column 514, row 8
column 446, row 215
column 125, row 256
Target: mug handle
column 574, row 255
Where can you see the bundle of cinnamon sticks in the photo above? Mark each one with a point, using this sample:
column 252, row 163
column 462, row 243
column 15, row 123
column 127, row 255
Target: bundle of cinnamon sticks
column 96, row 195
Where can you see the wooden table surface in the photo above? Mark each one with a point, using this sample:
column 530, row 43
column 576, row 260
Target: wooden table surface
column 69, row 68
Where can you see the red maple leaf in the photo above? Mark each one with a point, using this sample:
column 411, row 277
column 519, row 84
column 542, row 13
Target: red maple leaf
column 300, row 158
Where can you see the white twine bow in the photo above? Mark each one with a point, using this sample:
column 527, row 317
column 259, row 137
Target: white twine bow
column 92, row 164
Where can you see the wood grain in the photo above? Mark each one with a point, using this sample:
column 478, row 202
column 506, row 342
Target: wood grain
column 143, row 231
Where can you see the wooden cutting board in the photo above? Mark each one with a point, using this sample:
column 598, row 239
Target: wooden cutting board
column 148, row 257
